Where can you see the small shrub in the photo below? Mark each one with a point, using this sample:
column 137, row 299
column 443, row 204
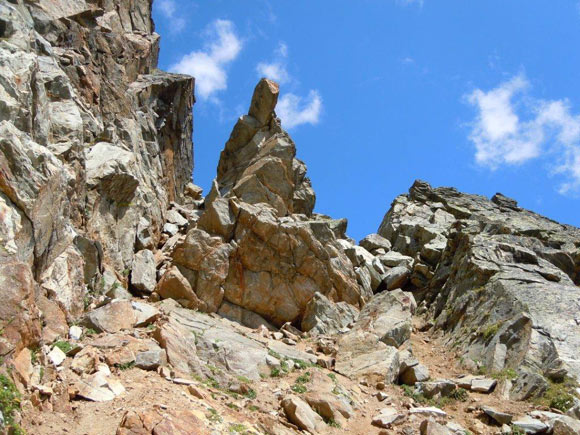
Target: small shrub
column 333, row 377
column 299, row 388
column 126, row 366
column 251, row 394
column 237, row 428
column 9, row 404
column 253, row 408
column 491, row 330
column 303, row 379
column 559, row 395
column 333, row 423
column 214, row 416
column 90, row 331
column 460, row 394
column 244, row 380
column 505, row 374
column 275, row 372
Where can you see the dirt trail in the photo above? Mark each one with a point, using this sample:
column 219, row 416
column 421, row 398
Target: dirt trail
column 147, row 389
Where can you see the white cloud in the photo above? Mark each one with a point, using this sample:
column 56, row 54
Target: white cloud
column 409, row 2
column 512, row 128
column 293, row 111
column 275, row 70
column 169, row 9
column 209, row 66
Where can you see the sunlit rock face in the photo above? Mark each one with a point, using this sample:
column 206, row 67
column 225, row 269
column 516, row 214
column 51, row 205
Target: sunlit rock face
column 258, row 244
column 501, row 281
column 94, row 144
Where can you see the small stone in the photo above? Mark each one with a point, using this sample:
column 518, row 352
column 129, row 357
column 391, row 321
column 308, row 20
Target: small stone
column 183, row 381
column 195, row 392
column 381, row 396
column 387, row 417
column 75, row 332
column 56, row 356
column 150, row 360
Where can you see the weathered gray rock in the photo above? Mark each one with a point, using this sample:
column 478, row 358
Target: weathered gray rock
column 322, row 316
column 498, row 416
column 362, row 354
column 113, row 317
column 387, row 417
column 565, row 426
column 483, row 385
column 150, row 359
column 243, row 316
column 145, row 314
column 372, row 242
column 530, row 425
column 430, row 389
column 396, row 278
column 480, row 266
column 388, row 315
column 94, row 146
column 144, row 273
column 412, row 375
column 574, row 412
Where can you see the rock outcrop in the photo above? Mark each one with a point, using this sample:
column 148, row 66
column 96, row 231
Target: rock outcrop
column 500, row 281
column 257, row 244
column 95, row 142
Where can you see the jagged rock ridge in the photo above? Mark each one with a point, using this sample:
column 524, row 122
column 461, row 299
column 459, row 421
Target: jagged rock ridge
column 502, row 282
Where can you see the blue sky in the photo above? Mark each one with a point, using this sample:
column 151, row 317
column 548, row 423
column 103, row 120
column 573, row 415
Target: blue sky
column 480, row 95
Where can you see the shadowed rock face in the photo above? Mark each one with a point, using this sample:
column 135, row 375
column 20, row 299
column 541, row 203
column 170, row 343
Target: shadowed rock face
column 258, row 245
column 94, row 144
column 501, row 281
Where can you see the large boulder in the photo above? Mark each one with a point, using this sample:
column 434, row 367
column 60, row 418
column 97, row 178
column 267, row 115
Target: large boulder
column 323, row 316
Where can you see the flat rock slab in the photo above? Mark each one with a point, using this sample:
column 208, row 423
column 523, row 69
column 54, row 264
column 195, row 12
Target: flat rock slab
column 500, row 417
column 113, row 317
column 530, row 425
column 428, row 411
column 483, row 385
column 387, row 417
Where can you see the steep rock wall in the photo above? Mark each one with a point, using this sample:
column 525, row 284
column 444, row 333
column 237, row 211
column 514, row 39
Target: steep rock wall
column 95, row 142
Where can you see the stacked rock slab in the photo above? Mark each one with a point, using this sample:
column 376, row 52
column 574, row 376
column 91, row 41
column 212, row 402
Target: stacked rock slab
column 501, row 281
column 257, row 244
column 94, row 144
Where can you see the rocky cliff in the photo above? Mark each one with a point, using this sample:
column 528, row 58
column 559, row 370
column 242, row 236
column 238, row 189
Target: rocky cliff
column 95, row 142
column 133, row 305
